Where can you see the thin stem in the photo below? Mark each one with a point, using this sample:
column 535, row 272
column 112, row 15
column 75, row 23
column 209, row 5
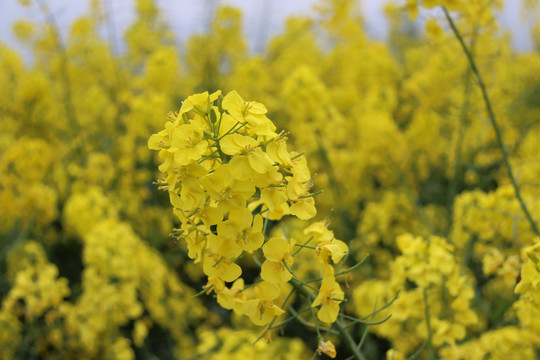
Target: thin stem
column 308, row 324
column 286, row 321
column 368, row 323
column 345, row 336
column 222, row 155
column 265, row 226
column 296, row 277
column 491, row 115
column 341, row 329
column 205, row 290
column 364, row 335
column 300, row 246
column 306, row 246
column 417, row 352
column 383, row 307
column 315, row 322
column 352, row 268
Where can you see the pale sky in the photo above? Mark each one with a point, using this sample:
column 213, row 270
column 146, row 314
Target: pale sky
column 190, row 16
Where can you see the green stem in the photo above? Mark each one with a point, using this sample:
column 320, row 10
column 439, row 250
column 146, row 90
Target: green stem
column 340, row 327
column 301, row 246
column 345, row 336
column 352, row 268
column 491, row 115
column 308, row 324
column 222, row 155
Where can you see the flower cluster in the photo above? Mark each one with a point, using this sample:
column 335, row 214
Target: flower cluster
column 435, row 295
column 228, row 173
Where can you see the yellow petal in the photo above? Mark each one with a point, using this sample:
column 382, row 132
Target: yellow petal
column 231, row 272
column 235, row 143
column 275, row 272
column 273, row 197
column 304, row 209
column 259, row 161
column 328, row 312
column 276, row 249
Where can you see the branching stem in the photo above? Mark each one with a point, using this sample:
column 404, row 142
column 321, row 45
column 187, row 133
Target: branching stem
column 492, row 119
column 338, row 324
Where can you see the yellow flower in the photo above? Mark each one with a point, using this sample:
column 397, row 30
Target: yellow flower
column 492, row 261
column 161, row 140
column 330, row 296
column 319, row 231
column 303, row 208
column 228, row 192
column 201, row 103
column 277, row 151
column 122, row 350
column 251, row 112
column 336, row 249
column 327, row 348
column 216, row 265
column 277, row 252
column 254, row 162
column 300, row 168
column 233, row 144
column 262, row 309
column 196, row 242
column 192, row 194
column 274, row 197
column 219, row 259
column 187, row 144
column 230, row 298
column 239, row 230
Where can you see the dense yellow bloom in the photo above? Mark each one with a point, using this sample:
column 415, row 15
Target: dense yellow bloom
column 528, row 306
column 398, row 140
column 36, row 286
column 230, row 344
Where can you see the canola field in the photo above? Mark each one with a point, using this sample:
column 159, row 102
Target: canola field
column 332, row 196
